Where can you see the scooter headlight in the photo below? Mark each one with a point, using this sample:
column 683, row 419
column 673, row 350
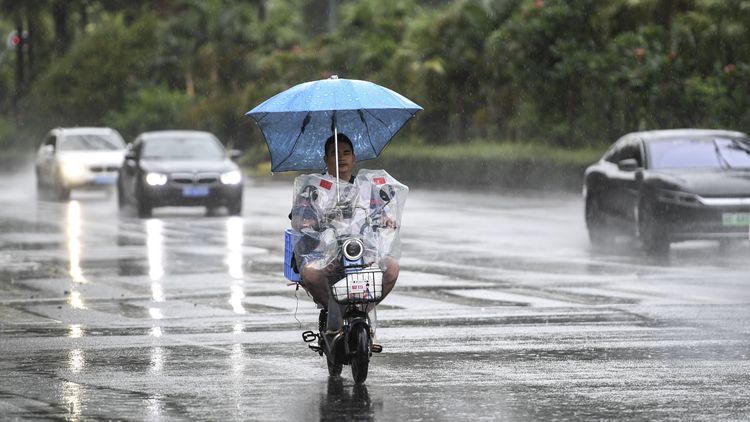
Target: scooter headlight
column 353, row 249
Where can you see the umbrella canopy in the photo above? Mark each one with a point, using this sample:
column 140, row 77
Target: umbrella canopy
column 297, row 122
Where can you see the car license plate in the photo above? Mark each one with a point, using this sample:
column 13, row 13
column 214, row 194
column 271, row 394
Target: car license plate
column 105, row 179
column 735, row 219
column 194, row 191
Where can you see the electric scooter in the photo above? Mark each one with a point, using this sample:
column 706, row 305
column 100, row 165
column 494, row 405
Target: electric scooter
column 347, row 328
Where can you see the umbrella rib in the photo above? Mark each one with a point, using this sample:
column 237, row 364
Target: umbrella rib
column 379, row 120
column 301, row 132
column 384, row 124
column 258, row 119
column 367, row 129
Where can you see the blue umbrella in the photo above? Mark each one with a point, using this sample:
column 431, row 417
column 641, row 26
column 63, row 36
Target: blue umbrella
column 296, row 122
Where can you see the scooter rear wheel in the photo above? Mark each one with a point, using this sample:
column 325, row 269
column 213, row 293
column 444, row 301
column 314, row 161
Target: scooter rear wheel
column 361, row 360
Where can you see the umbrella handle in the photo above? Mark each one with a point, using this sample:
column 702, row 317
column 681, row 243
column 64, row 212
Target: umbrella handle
column 336, row 148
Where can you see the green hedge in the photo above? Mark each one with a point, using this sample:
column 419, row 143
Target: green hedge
column 480, row 166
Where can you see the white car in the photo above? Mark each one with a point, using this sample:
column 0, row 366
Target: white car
column 81, row 157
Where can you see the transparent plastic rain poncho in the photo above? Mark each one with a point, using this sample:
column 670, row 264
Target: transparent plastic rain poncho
column 370, row 209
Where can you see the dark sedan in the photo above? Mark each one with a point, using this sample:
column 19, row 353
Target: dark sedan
column 179, row 168
column 667, row 186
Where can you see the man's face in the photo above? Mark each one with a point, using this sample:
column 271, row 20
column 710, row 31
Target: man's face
column 346, row 159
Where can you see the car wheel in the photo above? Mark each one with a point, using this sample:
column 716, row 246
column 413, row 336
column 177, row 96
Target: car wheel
column 42, row 192
column 142, row 205
column 653, row 236
column 59, row 191
column 728, row 245
column 121, row 202
column 144, row 209
column 235, row 208
column 599, row 234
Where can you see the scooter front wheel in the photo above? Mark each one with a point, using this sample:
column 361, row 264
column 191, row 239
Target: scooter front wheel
column 334, row 369
column 361, row 360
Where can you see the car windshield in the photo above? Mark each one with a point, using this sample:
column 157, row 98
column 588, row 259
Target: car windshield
column 704, row 152
column 91, row 142
column 183, row 148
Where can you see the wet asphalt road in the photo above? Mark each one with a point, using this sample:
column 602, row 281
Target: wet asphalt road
column 502, row 312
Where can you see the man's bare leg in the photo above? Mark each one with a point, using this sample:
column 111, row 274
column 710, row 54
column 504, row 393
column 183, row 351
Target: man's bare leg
column 390, row 275
column 316, row 282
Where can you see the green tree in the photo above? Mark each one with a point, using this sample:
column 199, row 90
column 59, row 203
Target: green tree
column 451, row 69
column 96, row 75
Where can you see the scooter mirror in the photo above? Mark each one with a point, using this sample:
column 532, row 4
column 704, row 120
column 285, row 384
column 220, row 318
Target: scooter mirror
column 309, row 193
column 387, row 193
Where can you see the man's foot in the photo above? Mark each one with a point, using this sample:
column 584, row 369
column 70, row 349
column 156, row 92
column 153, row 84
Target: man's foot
column 322, row 322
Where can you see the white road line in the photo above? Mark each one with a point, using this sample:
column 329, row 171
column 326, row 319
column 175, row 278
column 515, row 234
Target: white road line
column 495, row 295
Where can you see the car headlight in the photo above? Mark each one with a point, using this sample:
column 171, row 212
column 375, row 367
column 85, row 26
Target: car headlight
column 231, row 177
column 677, row 197
column 156, row 179
column 73, row 170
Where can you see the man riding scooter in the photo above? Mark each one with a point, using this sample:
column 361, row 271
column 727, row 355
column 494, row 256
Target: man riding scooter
column 316, row 276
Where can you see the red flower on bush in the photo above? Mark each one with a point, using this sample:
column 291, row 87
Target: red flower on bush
column 538, row 4
column 730, row 68
column 639, row 52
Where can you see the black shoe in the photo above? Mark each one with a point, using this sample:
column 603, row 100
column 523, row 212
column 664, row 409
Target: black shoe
column 322, row 322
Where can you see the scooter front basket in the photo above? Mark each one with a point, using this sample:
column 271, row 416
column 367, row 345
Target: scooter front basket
column 364, row 286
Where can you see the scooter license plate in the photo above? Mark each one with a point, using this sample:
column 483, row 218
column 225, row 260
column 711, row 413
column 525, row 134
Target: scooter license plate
column 358, row 287
column 360, row 291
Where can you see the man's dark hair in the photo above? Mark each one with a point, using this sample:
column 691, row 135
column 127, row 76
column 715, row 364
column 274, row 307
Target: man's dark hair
column 342, row 138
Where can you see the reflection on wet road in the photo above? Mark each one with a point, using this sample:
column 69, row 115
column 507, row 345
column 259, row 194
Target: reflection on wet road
column 502, row 312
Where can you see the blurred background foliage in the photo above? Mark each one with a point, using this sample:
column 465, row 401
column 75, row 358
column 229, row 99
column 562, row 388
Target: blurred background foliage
column 569, row 74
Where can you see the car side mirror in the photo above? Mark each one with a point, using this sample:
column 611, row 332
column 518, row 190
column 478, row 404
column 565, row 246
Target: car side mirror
column 130, row 155
column 639, row 175
column 48, row 149
column 235, row 154
column 628, row 164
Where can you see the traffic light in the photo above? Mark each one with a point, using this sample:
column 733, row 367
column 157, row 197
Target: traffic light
column 14, row 40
